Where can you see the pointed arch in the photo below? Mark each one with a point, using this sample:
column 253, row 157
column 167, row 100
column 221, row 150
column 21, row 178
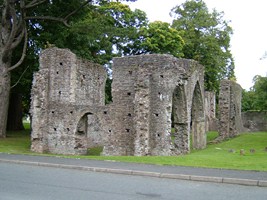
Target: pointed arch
column 198, row 119
column 180, row 120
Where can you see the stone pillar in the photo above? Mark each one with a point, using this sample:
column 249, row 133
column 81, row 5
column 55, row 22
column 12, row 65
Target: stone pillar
column 142, row 112
column 38, row 111
column 210, row 110
column 122, row 132
column 230, row 122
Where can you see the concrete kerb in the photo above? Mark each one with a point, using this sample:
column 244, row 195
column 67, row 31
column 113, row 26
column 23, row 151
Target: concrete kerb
column 207, row 179
column 237, row 181
column 176, row 176
column 248, row 182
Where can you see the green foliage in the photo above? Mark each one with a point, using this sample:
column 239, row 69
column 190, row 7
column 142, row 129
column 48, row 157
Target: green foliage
column 108, row 95
column 247, row 100
column 21, row 77
column 207, row 40
column 96, row 151
column 256, row 98
column 95, row 32
column 159, row 37
column 100, row 34
column 260, row 91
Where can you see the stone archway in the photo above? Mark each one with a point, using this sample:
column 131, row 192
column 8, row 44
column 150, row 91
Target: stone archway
column 198, row 119
column 180, row 120
column 80, row 137
column 88, row 132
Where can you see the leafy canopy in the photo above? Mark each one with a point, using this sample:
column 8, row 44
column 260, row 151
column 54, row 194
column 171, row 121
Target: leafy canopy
column 207, row 40
column 256, row 98
column 159, row 37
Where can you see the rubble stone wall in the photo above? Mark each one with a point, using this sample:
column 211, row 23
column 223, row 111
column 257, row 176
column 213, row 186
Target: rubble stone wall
column 152, row 94
column 230, row 122
column 254, row 121
column 146, row 91
column 63, row 88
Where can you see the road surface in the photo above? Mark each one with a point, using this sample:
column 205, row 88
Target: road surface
column 24, row 182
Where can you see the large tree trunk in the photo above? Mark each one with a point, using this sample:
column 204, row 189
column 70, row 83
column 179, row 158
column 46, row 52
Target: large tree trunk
column 15, row 114
column 4, row 95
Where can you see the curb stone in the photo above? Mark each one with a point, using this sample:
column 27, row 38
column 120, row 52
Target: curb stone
column 263, row 183
column 145, row 173
column 237, row 181
column 176, row 176
column 207, row 179
column 248, row 182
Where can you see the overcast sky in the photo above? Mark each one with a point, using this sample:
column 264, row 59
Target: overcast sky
column 249, row 21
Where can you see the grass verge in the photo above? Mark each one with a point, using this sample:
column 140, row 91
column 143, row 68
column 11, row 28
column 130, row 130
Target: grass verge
column 225, row 155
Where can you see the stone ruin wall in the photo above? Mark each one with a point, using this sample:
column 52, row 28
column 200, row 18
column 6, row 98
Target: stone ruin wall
column 143, row 91
column 194, row 90
column 254, row 121
column 230, row 122
column 69, row 115
column 66, row 94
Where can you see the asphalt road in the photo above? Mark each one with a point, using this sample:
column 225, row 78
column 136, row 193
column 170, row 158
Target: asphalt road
column 19, row 182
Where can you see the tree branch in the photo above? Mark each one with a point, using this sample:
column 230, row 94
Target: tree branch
column 17, row 40
column 62, row 20
column 20, row 77
column 34, row 3
column 48, row 18
column 23, row 52
column 13, row 32
column 16, row 25
column 75, row 11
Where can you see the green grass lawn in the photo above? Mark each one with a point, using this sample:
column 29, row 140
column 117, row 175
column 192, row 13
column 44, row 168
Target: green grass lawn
column 214, row 156
column 17, row 142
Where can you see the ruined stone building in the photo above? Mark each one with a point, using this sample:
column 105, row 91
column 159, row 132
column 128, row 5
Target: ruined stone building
column 66, row 92
column 146, row 91
column 151, row 94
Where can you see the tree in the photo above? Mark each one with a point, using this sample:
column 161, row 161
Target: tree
column 260, row 90
column 256, row 97
column 207, row 40
column 16, row 17
column 20, row 93
column 105, row 32
column 247, row 100
column 156, row 37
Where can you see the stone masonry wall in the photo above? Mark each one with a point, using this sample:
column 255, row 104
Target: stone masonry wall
column 152, row 94
column 254, row 121
column 194, row 89
column 143, row 88
column 64, row 88
column 230, row 122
